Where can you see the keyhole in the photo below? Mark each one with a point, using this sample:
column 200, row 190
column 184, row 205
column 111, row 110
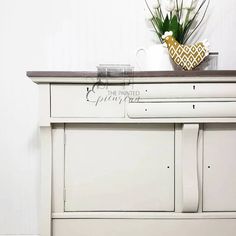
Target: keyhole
column 194, row 87
column 168, row 167
column 146, row 90
column 209, row 167
column 193, row 106
column 145, row 109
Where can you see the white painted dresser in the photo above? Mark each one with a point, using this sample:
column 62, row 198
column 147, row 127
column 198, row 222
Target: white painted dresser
column 152, row 153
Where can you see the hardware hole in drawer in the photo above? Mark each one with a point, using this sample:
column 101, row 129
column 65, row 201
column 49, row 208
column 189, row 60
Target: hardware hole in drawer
column 181, row 109
column 186, row 90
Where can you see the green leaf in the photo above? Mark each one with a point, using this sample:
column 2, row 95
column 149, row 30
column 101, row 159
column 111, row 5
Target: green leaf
column 181, row 34
column 166, row 24
column 174, row 27
column 156, row 29
column 159, row 24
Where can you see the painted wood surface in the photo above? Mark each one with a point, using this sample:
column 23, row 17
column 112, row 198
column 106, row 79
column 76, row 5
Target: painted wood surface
column 138, row 176
column 190, row 179
column 87, row 101
column 130, row 80
column 219, row 191
column 99, row 227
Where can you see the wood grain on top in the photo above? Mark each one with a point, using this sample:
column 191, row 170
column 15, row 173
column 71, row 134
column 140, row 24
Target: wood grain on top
column 92, row 74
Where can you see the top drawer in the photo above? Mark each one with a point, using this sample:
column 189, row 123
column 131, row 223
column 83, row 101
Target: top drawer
column 185, row 90
column 87, row 101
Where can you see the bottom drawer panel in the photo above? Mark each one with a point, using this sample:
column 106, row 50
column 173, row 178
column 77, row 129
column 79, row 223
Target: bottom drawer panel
column 143, row 227
column 181, row 109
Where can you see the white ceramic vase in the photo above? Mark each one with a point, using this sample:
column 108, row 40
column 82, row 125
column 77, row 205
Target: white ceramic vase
column 155, row 58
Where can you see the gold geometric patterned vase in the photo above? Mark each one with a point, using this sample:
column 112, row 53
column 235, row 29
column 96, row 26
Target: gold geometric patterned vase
column 186, row 56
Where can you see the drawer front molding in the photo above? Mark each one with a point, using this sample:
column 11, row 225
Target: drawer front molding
column 137, row 227
column 181, row 110
column 186, row 90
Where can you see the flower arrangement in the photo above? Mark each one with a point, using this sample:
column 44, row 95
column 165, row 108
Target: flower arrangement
column 182, row 17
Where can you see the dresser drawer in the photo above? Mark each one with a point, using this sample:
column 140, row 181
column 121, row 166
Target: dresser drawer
column 181, row 109
column 87, row 101
column 186, row 90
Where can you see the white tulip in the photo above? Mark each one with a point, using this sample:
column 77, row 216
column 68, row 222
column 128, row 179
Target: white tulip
column 183, row 15
column 157, row 4
column 169, row 5
column 190, row 4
